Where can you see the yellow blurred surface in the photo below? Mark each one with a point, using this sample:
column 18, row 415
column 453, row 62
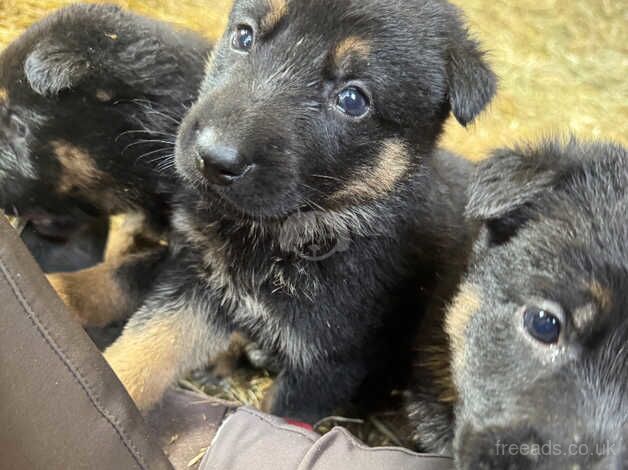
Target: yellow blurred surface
column 562, row 63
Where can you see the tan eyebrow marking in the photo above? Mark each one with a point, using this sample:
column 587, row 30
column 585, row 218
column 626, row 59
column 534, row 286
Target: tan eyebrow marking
column 78, row 170
column 4, row 94
column 584, row 316
column 351, row 46
column 277, row 11
column 390, row 166
column 602, row 295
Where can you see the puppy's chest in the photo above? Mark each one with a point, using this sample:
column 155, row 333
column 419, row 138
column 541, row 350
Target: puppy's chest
column 262, row 283
column 273, row 301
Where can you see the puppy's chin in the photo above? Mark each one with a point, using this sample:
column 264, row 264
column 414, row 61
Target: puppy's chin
column 259, row 208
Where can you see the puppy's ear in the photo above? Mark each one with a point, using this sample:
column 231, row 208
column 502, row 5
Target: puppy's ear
column 472, row 83
column 503, row 189
column 51, row 68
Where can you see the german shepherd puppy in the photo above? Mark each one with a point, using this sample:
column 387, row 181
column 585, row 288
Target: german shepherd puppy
column 315, row 214
column 90, row 100
column 538, row 330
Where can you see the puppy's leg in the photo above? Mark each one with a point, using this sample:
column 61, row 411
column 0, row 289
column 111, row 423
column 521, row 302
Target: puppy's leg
column 130, row 234
column 162, row 342
column 314, row 394
column 110, row 291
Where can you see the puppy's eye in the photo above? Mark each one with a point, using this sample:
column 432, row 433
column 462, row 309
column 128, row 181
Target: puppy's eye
column 542, row 325
column 353, row 102
column 243, row 38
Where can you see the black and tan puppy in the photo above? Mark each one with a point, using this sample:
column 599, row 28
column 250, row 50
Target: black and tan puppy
column 312, row 196
column 90, row 101
column 538, row 331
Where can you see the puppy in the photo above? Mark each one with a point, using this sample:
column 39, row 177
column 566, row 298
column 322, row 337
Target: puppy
column 90, row 100
column 538, row 329
column 315, row 215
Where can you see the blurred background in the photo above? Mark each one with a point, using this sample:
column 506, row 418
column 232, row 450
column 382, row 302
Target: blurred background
column 563, row 64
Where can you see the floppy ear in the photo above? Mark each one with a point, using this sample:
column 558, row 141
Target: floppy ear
column 51, row 68
column 503, row 189
column 472, row 84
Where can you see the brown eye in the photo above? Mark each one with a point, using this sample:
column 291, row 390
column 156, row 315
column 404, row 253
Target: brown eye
column 243, row 38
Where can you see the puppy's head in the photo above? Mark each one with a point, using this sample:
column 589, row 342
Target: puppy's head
column 324, row 103
column 539, row 329
column 74, row 91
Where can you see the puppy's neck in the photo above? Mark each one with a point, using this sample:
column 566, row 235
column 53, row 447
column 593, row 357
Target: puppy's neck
column 289, row 233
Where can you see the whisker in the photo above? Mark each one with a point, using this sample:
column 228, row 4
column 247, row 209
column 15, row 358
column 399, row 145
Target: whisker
column 145, row 142
column 145, row 131
column 144, row 155
column 176, row 121
column 332, row 178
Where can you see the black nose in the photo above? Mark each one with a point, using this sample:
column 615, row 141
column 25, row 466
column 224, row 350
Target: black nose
column 221, row 164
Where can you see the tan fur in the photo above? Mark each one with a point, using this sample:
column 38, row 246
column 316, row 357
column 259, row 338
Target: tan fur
column 584, row 316
column 277, row 10
column 226, row 363
column 269, row 399
column 77, row 167
column 146, row 360
column 93, row 295
column 104, row 96
column 4, row 95
column 153, row 354
column 466, row 303
column 352, row 46
column 392, row 163
column 602, row 295
column 129, row 234
column 436, row 359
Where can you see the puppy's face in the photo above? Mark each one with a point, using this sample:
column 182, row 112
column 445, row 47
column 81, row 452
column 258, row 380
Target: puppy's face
column 539, row 329
column 325, row 103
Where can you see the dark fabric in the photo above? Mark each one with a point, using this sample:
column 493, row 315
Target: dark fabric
column 61, row 407
column 185, row 424
column 252, row 440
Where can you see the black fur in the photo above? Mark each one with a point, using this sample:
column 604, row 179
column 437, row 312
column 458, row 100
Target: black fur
column 294, row 253
column 555, row 236
column 110, row 84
